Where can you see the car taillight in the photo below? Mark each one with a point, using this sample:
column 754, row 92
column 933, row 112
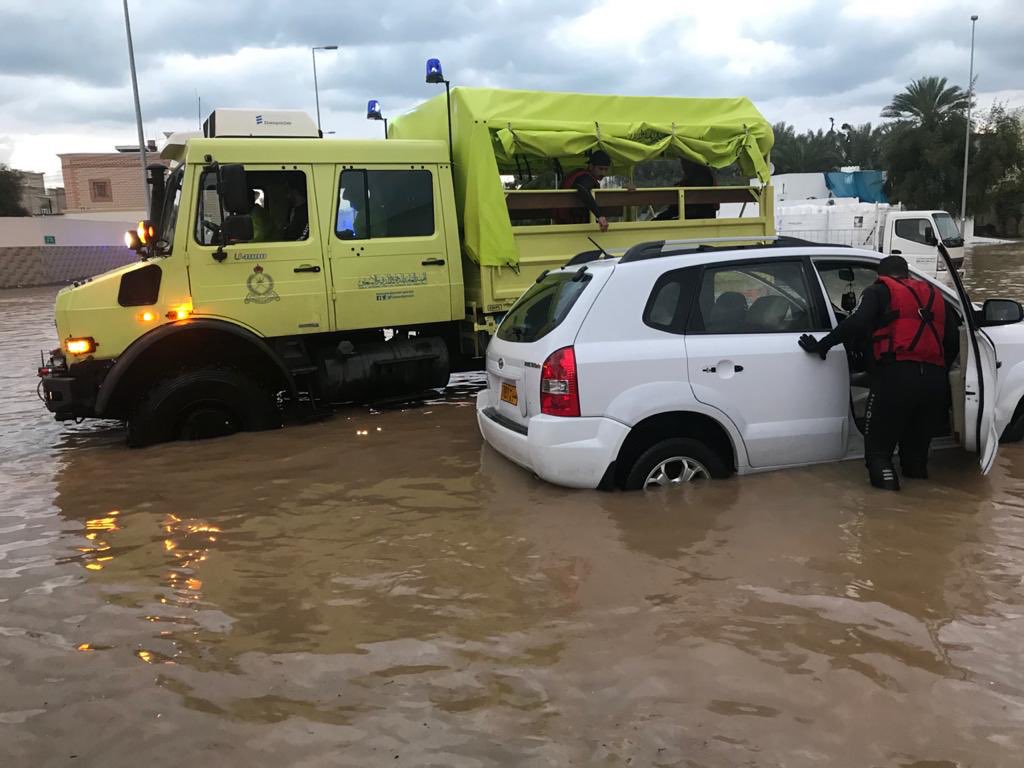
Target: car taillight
column 559, row 393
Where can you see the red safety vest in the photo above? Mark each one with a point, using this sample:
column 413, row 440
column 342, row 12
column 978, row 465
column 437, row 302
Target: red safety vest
column 572, row 215
column 917, row 320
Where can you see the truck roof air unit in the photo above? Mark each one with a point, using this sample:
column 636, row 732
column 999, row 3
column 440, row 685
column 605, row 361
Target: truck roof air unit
column 260, row 123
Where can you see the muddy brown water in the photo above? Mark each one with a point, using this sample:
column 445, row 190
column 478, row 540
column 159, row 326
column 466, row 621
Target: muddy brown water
column 382, row 589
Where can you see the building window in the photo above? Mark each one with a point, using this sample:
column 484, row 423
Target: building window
column 99, row 191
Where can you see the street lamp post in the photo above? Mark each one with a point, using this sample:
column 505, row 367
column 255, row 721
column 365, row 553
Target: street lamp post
column 967, row 138
column 138, row 109
column 316, row 88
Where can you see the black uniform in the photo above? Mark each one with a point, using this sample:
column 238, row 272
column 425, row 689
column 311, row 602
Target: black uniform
column 909, row 400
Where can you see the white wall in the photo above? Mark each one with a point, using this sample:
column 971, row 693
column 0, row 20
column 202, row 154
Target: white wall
column 32, row 230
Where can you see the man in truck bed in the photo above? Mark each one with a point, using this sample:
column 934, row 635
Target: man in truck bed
column 584, row 181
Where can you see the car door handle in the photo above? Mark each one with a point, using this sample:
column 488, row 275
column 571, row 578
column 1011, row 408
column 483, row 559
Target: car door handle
column 714, row 369
column 895, row 252
column 432, row 262
column 307, row 268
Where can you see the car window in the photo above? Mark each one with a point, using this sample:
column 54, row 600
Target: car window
column 845, row 283
column 277, row 206
column 671, row 298
column 768, row 297
column 376, row 204
column 543, row 307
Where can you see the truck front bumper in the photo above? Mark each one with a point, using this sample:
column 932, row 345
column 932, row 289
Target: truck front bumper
column 70, row 393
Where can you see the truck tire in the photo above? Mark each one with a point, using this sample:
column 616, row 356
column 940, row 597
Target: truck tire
column 675, row 461
column 198, row 403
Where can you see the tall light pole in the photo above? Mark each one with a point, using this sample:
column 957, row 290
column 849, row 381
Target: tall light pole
column 967, row 138
column 138, row 109
column 316, row 89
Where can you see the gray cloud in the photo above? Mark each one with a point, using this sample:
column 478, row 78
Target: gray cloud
column 62, row 67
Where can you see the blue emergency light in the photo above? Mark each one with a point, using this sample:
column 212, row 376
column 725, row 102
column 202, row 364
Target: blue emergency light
column 373, row 110
column 434, row 73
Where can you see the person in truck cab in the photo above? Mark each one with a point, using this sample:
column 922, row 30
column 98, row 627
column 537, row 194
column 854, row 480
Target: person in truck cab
column 585, row 181
column 263, row 227
column 913, row 337
column 297, row 225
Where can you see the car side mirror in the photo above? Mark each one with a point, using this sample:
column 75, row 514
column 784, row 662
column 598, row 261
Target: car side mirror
column 234, row 191
column 929, row 236
column 1001, row 312
column 849, row 301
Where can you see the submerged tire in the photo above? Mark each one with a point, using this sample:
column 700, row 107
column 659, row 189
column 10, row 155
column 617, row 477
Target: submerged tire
column 675, row 461
column 211, row 401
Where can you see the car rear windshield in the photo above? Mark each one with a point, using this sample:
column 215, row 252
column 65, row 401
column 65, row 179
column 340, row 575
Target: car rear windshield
column 543, row 307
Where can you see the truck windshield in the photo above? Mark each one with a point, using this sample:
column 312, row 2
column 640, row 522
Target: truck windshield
column 169, row 215
column 947, row 229
column 543, row 307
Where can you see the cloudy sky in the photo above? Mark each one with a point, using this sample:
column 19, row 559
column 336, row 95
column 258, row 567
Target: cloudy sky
column 65, row 87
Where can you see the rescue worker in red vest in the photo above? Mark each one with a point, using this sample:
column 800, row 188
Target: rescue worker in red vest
column 585, row 181
column 913, row 338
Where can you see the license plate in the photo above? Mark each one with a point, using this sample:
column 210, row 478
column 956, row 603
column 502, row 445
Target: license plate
column 509, row 394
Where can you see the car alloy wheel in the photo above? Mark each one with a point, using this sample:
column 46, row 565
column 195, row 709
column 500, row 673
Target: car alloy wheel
column 674, row 471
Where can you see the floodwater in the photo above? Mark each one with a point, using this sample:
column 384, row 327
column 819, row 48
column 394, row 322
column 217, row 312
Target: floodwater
column 382, row 589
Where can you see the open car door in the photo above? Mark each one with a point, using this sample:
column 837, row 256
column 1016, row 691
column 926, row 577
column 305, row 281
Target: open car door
column 978, row 358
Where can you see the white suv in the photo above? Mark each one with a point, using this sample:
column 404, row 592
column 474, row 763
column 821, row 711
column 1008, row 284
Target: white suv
column 675, row 362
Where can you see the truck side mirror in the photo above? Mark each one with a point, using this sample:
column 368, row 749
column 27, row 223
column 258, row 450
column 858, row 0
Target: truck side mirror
column 929, row 236
column 237, row 229
column 1001, row 312
column 234, row 191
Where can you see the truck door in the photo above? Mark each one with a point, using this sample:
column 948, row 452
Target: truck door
column 275, row 283
column 913, row 238
column 388, row 257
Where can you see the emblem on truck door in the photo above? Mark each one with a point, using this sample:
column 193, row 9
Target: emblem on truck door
column 261, row 287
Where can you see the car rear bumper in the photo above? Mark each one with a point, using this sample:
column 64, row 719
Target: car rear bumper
column 574, row 452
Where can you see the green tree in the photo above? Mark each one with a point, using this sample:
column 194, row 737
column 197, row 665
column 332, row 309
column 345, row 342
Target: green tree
column 927, row 101
column 862, row 145
column 808, row 152
column 10, row 193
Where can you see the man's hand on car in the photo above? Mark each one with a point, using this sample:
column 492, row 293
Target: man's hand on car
column 811, row 345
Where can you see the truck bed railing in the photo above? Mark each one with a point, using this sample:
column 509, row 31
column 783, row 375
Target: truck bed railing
column 538, row 204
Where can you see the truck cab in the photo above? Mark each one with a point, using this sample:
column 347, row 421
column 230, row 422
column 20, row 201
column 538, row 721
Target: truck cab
column 915, row 235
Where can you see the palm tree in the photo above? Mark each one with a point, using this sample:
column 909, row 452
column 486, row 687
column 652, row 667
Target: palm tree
column 926, row 101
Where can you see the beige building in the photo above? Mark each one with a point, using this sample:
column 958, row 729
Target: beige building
column 106, row 182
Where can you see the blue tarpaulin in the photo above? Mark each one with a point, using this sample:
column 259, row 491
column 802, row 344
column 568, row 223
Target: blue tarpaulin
column 866, row 186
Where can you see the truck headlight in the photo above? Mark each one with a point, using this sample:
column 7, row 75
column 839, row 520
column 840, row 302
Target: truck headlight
column 81, row 346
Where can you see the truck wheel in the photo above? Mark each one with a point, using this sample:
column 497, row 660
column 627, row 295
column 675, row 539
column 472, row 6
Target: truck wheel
column 1014, row 431
column 204, row 402
column 675, row 462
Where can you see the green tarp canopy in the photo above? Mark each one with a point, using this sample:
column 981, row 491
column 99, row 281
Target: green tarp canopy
column 491, row 127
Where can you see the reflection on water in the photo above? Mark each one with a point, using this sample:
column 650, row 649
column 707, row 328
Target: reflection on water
column 381, row 588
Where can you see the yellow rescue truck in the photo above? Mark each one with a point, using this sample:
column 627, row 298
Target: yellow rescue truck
column 282, row 267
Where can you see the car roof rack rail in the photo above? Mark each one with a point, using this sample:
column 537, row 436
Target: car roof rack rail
column 657, row 248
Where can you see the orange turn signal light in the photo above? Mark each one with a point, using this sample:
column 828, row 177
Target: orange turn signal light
column 147, row 316
column 146, row 232
column 81, row 346
column 179, row 313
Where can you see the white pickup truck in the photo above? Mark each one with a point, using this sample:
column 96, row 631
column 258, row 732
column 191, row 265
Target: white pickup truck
column 914, row 235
